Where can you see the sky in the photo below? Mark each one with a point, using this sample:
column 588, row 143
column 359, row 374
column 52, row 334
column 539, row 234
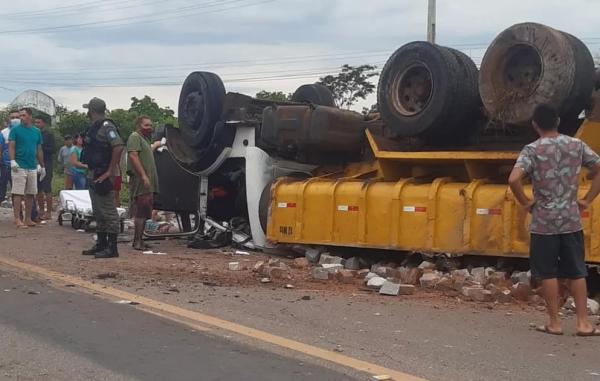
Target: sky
column 118, row 49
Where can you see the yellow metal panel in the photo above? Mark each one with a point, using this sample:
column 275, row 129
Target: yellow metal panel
column 441, row 216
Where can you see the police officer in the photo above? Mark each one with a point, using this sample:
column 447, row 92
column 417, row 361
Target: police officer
column 101, row 152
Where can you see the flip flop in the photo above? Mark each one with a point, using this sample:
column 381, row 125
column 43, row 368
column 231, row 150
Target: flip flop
column 594, row 332
column 22, row 227
column 545, row 329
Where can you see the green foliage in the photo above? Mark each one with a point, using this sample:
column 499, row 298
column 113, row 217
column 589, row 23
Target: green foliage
column 4, row 113
column 73, row 122
column 70, row 122
column 351, row 84
column 276, row 96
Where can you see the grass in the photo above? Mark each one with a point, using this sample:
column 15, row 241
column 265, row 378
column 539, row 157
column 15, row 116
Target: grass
column 58, row 184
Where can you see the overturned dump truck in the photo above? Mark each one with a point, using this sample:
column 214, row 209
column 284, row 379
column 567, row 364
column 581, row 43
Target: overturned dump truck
column 428, row 173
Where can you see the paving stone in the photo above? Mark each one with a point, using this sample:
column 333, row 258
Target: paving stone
column 376, row 282
column 329, row 259
column 406, row 289
column 320, row 273
column 332, row 267
column 300, row 263
column 429, row 280
column 353, row 263
column 313, row 255
column 410, row 275
column 478, row 274
column 234, row 266
column 345, row 276
column 389, row 288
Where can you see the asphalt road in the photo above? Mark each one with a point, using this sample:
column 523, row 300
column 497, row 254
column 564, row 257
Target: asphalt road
column 52, row 334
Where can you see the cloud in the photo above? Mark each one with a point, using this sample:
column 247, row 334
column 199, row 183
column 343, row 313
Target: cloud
column 150, row 48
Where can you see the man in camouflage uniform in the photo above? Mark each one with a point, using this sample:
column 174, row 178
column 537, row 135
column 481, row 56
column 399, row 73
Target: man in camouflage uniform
column 101, row 152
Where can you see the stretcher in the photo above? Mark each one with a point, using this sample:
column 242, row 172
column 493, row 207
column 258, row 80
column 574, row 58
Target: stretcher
column 76, row 207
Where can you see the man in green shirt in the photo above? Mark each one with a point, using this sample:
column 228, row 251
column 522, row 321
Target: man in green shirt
column 26, row 162
column 144, row 179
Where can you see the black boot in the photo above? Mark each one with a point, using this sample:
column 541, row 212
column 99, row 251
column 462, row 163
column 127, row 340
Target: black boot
column 111, row 250
column 100, row 245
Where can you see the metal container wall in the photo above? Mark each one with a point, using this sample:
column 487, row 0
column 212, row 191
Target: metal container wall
column 300, row 132
column 440, row 216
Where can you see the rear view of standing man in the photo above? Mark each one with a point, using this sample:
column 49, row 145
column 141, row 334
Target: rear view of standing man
column 553, row 162
column 26, row 162
column 101, row 152
column 44, row 197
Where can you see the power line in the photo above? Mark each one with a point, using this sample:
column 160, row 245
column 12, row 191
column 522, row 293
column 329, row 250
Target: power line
column 176, row 13
column 60, row 8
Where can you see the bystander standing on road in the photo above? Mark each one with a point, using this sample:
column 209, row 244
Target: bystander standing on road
column 553, row 162
column 78, row 169
column 44, row 197
column 64, row 159
column 102, row 151
column 5, row 174
column 143, row 177
column 26, row 162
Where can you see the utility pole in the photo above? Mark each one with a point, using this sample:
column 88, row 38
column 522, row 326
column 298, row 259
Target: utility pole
column 431, row 21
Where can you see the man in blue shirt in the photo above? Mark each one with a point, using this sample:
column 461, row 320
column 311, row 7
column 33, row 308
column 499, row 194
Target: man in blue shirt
column 5, row 176
column 26, row 162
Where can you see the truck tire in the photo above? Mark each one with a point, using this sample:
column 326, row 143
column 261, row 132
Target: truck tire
column 200, row 107
column 422, row 90
column 314, row 93
column 529, row 64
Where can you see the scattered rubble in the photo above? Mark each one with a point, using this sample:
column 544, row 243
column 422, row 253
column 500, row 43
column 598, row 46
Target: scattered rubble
column 376, row 282
column 234, row 266
column 390, row 288
column 353, row 263
column 313, row 255
column 327, row 259
column 593, row 306
column 320, row 273
column 300, row 263
column 406, row 289
column 430, row 279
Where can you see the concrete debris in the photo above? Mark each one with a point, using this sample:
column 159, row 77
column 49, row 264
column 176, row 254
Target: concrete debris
column 593, row 306
column 320, row 273
column 369, row 276
column 389, row 288
column 258, row 267
column 300, row 263
column 289, row 286
column 521, row 277
column 430, row 280
column 330, row 259
column 234, row 266
column 410, row 275
column 521, row 291
column 478, row 274
column 273, row 262
column 445, row 283
column 489, row 271
column 381, row 377
column 240, row 252
column 500, row 294
column 150, row 252
column 376, row 282
column 265, row 280
column 426, row 265
column 477, row 293
column 497, row 278
column 352, row 263
column 406, row 289
column 332, row 267
column 313, row 255
column 345, row 276
column 278, row 273
column 385, row 271
column 362, row 273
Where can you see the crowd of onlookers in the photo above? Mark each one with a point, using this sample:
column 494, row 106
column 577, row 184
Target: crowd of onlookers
column 28, row 156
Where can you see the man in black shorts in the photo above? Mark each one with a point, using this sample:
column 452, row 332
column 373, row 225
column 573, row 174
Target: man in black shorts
column 44, row 197
column 553, row 162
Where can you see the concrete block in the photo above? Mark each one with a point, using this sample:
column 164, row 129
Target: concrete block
column 352, row 263
column 329, row 259
column 406, row 289
column 313, row 255
column 234, row 266
column 389, row 288
column 376, row 282
column 429, row 280
column 320, row 273
column 300, row 263
column 332, row 267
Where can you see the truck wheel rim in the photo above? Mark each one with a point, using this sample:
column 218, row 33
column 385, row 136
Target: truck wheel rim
column 522, row 70
column 412, row 89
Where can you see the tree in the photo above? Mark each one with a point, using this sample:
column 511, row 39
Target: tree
column 70, row 122
column 148, row 106
column 351, row 84
column 276, row 96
